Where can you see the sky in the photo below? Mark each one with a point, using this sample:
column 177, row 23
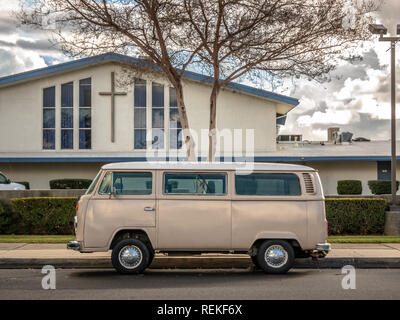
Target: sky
column 356, row 99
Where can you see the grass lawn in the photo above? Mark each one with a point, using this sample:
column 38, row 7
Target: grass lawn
column 364, row 239
column 34, row 239
column 64, row 239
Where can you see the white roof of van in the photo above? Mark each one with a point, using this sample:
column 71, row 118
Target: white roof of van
column 239, row 166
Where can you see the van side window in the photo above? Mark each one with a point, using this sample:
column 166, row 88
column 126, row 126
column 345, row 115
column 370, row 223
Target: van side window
column 195, row 183
column 268, row 184
column 127, row 183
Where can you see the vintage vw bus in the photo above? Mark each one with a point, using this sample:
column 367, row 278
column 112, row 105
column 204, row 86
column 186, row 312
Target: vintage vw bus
column 275, row 213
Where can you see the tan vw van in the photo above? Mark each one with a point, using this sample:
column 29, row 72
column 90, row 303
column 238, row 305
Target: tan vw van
column 275, row 213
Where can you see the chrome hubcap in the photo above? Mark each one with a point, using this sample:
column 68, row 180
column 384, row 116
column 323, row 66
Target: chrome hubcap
column 130, row 256
column 276, row 256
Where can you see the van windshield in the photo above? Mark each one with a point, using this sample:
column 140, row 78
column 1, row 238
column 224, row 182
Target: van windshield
column 93, row 184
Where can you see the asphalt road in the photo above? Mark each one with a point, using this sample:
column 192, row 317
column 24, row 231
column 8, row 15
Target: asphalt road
column 200, row 284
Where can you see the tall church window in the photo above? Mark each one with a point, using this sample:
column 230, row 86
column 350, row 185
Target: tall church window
column 140, row 114
column 49, row 118
column 67, row 115
column 85, row 113
column 175, row 127
column 157, row 116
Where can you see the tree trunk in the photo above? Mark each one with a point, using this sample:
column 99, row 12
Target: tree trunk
column 212, row 134
column 186, row 135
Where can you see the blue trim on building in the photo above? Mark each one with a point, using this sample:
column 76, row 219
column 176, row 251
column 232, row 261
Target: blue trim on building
column 281, row 121
column 311, row 158
column 126, row 59
column 323, row 159
column 137, row 159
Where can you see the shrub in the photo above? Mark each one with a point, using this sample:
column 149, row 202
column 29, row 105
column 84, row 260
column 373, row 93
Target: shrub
column 381, row 186
column 70, row 184
column 3, row 217
column 349, row 187
column 25, row 183
column 44, row 215
column 7, row 224
column 355, row 216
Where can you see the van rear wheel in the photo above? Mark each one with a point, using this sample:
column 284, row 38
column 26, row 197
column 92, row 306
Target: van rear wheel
column 275, row 256
column 130, row 256
column 151, row 257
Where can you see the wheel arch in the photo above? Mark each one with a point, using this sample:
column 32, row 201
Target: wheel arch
column 134, row 233
column 290, row 238
column 277, row 235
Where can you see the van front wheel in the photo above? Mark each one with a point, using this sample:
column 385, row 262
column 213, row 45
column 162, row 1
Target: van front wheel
column 255, row 261
column 130, row 256
column 275, row 256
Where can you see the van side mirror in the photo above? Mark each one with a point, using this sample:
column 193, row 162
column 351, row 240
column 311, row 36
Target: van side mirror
column 112, row 193
column 8, row 181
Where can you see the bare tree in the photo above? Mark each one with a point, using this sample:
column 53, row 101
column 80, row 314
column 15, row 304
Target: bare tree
column 154, row 28
column 286, row 37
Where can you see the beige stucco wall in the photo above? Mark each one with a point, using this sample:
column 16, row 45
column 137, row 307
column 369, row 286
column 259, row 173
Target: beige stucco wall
column 331, row 172
column 39, row 174
column 21, row 112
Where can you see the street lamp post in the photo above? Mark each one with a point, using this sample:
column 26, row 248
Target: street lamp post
column 381, row 31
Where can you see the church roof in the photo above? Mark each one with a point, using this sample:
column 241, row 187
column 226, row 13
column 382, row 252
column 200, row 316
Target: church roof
column 37, row 73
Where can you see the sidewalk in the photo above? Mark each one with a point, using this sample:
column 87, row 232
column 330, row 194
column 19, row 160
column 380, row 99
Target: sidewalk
column 22, row 255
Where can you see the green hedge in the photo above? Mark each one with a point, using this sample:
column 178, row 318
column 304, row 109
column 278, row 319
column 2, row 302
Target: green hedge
column 8, row 224
column 381, row 186
column 25, row 183
column 55, row 216
column 355, row 216
column 70, row 184
column 43, row 215
column 349, row 187
column 3, row 217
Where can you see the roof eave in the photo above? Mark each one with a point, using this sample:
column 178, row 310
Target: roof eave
column 107, row 57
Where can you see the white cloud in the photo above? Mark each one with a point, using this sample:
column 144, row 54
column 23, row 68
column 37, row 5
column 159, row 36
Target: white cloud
column 23, row 48
column 8, row 5
column 357, row 99
column 331, row 116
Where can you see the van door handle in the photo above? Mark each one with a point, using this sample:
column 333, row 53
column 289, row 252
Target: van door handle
column 149, row 209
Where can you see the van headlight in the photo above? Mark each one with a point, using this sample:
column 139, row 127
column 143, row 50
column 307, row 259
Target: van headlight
column 75, row 222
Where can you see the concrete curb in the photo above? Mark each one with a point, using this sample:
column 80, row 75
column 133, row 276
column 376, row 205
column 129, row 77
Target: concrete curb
column 201, row 263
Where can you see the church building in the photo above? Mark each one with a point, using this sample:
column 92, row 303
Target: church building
column 66, row 120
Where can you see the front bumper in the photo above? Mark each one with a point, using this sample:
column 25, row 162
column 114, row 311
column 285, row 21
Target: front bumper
column 73, row 245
